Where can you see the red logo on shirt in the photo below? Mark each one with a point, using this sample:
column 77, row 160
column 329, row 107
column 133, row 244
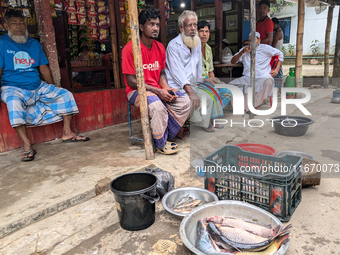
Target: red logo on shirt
column 24, row 61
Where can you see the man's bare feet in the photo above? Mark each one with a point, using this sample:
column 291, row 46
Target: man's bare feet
column 183, row 133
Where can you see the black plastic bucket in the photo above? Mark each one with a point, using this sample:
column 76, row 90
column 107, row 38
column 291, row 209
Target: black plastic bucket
column 135, row 196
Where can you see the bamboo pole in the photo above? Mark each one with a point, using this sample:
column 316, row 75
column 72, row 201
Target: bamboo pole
column 114, row 44
column 253, row 50
column 137, row 57
column 327, row 42
column 336, row 65
column 218, row 29
column 299, row 45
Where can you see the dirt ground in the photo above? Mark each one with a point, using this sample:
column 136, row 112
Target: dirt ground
column 49, row 206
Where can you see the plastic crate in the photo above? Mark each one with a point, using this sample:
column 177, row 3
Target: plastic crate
column 269, row 182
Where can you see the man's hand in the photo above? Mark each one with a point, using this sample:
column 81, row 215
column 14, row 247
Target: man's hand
column 164, row 95
column 212, row 81
column 195, row 100
column 173, row 93
column 274, row 73
column 246, row 49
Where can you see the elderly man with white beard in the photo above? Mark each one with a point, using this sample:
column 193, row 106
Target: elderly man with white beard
column 30, row 101
column 184, row 68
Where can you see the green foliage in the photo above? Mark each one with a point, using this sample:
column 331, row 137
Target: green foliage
column 291, row 49
column 280, row 4
column 284, row 49
column 314, row 48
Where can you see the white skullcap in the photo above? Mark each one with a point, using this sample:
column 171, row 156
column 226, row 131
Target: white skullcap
column 257, row 34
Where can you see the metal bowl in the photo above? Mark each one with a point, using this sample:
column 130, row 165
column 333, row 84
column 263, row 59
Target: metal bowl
column 291, row 125
column 295, row 153
column 237, row 209
column 171, row 197
column 335, row 100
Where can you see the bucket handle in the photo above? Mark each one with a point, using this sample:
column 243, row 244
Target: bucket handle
column 151, row 199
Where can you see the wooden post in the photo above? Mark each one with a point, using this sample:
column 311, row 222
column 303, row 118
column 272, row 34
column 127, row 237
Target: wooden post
column 120, row 41
column 218, row 29
column 194, row 5
column 114, row 43
column 159, row 4
column 47, row 37
column 336, row 64
column 253, row 50
column 327, row 41
column 137, row 57
column 299, row 45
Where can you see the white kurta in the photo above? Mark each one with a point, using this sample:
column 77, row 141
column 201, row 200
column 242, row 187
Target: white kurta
column 264, row 54
column 182, row 65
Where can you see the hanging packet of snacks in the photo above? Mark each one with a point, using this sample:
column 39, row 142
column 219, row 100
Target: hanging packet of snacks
column 102, row 22
column 92, row 22
column 103, row 35
column 101, row 7
column 12, row 3
column 81, row 19
column 72, row 18
column 91, row 11
column 26, row 12
column 71, row 7
column 91, row 2
column 81, row 9
column 94, row 33
column 24, row 3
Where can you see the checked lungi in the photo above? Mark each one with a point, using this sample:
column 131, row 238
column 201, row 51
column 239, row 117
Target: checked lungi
column 166, row 119
column 42, row 106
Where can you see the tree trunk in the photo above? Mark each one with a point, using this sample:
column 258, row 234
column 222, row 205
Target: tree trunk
column 336, row 66
column 299, row 45
column 218, row 29
column 137, row 57
column 327, row 36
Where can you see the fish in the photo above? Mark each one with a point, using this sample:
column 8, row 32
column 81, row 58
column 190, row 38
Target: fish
column 189, row 203
column 248, row 226
column 204, row 242
column 239, row 235
column 272, row 249
column 219, row 236
column 182, row 200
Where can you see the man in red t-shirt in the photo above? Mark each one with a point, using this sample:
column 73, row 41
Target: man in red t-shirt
column 265, row 25
column 168, row 108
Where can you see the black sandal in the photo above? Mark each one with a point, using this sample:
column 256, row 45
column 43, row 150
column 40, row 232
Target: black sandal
column 27, row 157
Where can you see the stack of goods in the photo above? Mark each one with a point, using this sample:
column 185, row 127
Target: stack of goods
column 23, row 6
column 88, row 31
column 125, row 19
column 225, row 235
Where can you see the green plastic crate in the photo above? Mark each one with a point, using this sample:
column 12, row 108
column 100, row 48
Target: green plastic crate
column 269, row 182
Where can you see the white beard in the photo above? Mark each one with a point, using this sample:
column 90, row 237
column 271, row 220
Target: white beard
column 190, row 42
column 18, row 38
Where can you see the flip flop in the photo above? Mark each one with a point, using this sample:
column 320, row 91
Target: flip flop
column 74, row 139
column 221, row 127
column 27, row 153
column 209, row 131
column 167, row 149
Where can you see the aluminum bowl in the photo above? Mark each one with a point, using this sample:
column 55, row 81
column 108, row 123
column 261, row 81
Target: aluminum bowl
column 171, row 197
column 295, row 153
column 237, row 209
column 335, row 100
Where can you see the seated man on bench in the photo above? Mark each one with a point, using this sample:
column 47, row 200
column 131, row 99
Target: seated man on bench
column 30, row 101
column 263, row 74
column 168, row 108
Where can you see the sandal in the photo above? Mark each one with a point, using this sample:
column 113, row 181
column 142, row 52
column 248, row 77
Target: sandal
column 168, row 149
column 75, row 139
column 27, row 157
column 209, row 131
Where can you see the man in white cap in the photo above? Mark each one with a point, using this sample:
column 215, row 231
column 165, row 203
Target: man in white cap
column 263, row 73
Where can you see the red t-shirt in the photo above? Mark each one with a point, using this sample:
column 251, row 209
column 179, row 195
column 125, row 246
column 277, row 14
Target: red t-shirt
column 265, row 27
column 153, row 63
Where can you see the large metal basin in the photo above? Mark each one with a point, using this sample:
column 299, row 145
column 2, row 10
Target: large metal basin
column 237, row 209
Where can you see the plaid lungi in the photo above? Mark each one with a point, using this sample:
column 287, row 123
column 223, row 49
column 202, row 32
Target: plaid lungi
column 42, row 106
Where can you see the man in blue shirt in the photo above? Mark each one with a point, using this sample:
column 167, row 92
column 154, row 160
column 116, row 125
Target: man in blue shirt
column 30, row 101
